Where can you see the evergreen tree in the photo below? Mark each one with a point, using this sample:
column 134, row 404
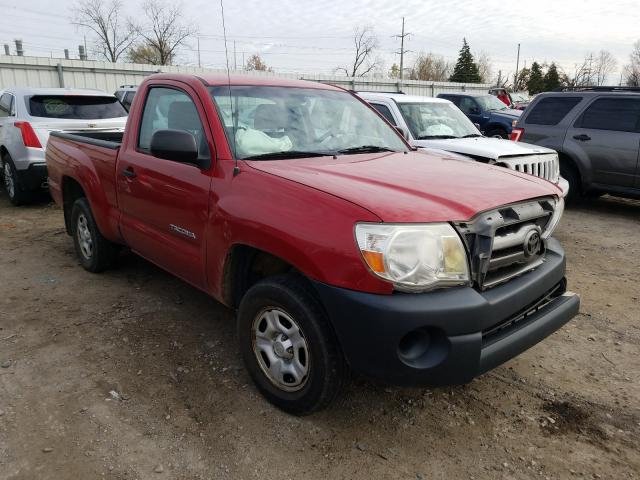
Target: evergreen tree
column 535, row 84
column 552, row 78
column 466, row 70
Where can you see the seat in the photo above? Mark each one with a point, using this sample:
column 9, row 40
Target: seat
column 270, row 119
column 184, row 116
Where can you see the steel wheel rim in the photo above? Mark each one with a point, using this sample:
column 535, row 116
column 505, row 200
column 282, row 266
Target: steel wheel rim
column 8, row 180
column 281, row 349
column 84, row 237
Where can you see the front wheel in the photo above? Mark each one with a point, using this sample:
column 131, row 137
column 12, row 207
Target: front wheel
column 95, row 252
column 288, row 346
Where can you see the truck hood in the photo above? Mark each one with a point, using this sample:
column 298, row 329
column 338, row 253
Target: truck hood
column 509, row 114
column 412, row 187
column 490, row 148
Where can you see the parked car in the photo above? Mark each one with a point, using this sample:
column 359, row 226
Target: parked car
column 521, row 100
column 29, row 115
column 494, row 118
column 341, row 247
column 438, row 123
column 125, row 94
column 596, row 132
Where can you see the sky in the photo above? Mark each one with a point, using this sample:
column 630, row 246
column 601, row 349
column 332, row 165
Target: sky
column 316, row 36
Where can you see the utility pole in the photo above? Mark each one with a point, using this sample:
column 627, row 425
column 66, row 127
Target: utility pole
column 402, row 50
column 235, row 60
column 515, row 77
column 199, row 64
column 85, row 48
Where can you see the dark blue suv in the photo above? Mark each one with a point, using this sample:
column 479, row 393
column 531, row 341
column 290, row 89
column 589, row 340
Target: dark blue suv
column 494, row 118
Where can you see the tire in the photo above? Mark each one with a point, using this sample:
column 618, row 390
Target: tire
column 571, row 175
column 95, row 252
column 288, row 345
column 497, row 133
column 17, row 195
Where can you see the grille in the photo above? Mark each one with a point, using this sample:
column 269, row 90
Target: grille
column 543, row 166
column 507, row 242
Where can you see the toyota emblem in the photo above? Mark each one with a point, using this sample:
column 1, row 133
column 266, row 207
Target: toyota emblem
column 532, row 243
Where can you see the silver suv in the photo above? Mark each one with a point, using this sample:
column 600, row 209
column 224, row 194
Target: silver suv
column 28, row 115
column 596, row 132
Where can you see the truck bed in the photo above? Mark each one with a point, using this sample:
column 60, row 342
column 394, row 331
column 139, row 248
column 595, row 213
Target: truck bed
column 111, row 140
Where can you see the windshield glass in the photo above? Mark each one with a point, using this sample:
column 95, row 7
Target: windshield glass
column 268, row 121
column 519, row 97
column 77, row 107
column 436, row 120
column 489, row 102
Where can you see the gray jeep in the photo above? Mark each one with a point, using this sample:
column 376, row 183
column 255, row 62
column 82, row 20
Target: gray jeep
column 596, row 132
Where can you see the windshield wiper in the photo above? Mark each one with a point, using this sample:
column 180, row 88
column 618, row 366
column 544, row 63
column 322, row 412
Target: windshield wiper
column 287, row 154
column 365, row 149
column 471, row 135
column 436, row 137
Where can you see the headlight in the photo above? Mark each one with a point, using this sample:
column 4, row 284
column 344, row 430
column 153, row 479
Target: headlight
column 555, row 219
column 414, row 257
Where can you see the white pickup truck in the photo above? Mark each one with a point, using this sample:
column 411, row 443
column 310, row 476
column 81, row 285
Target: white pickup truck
column 435, row 123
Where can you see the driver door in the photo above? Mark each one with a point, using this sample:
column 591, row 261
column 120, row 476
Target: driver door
column 164, row 204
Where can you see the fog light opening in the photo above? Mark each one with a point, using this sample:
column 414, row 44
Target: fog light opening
column 423, row 348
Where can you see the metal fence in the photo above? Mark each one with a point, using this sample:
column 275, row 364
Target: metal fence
column 53, row 72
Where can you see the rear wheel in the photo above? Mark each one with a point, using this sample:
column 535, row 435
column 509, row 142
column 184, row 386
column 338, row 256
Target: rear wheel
column 95, row 252
column 288, row 346
column 12, row 186
column 497, row 133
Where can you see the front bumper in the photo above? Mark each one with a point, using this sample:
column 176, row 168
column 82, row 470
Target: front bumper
column 452, row 335
column 564, row 186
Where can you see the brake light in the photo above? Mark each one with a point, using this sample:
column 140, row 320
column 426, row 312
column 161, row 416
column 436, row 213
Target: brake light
column 29, row 137
column 516, row 134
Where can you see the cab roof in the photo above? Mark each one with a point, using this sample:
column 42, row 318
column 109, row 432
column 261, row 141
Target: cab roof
column 217, row 79
column 401, row 98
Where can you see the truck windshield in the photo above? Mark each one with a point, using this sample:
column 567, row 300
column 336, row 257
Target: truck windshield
column 77, row 107
column 489, row 102
column 269, row 122
column 436, row 120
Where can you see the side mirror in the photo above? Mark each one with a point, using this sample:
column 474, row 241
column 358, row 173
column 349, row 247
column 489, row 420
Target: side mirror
column 402, row 131
column 477, row 125
column 177, row 145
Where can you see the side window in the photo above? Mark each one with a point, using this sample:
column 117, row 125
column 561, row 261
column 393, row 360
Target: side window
column 6, row 105
column 174, row 109
column 551, row 110
column 455, row 100
column 385, row 112
column 468, row 106
column 616, row 114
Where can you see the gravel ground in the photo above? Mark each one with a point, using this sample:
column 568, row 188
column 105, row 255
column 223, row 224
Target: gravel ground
column 132, row 374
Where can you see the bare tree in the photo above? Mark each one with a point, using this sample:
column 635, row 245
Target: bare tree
column 603, row 65
column 484, row 66
column 581, row 76
column 106, row 21
column 430, row 67
column 365, row 42
column 632, row 69
column 255, row 62
column 165, row 30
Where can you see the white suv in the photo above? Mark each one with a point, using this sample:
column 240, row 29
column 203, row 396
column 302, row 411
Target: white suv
column 436, row 123
column 28, row 115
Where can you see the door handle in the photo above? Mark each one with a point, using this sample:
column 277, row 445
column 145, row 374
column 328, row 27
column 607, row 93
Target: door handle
column 582, row 138
column 129, row 173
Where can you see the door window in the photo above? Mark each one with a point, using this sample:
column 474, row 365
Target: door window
column 614, row 114
column 468, row 106
column 169, row 108
column 551, row 110
column 385, row 112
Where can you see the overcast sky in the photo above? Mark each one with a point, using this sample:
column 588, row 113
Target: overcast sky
column 316, row 36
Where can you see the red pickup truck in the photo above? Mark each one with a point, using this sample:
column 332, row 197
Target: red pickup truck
column 340, row 247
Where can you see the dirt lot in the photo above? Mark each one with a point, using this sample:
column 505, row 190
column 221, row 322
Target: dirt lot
column 183, row 407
